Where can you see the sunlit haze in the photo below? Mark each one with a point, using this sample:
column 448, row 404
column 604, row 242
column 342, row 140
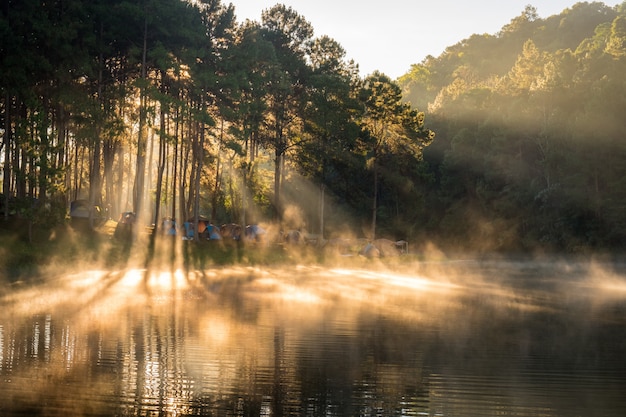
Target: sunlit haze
column 135, row 341
column 393, row 35
column 191, row 226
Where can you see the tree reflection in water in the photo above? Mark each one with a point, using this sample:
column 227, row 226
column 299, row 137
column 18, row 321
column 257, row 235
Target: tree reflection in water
column 473, row 338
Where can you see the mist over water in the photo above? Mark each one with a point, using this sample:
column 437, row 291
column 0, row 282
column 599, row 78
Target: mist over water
column 465, row 338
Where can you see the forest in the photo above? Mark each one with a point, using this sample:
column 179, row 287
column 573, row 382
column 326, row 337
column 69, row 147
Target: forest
column 531, row 134
column 511, row 141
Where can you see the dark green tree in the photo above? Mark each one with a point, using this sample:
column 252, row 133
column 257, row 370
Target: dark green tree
column 289, row 33
column 329, row 118
column 389, row 124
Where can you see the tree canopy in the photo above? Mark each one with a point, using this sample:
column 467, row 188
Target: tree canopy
column 173, row 108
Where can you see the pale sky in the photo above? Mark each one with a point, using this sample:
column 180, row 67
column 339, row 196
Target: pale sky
column 390, row 35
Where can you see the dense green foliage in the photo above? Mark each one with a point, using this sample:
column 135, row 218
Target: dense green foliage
column 531, row 137
column 173, row 108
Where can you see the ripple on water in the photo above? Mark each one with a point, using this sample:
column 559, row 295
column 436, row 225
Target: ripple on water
column 512, row 339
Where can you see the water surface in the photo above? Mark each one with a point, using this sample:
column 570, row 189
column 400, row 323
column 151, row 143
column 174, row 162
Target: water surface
column 464, row 338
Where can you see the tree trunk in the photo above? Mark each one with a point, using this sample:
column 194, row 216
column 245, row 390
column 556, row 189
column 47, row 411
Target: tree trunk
column 95, row 193
column 322, row 203
column 108, row 157
column 199, row 158
column 217, row 184
column 278, row 156
column 175, row 167
column 138, row 193
column 161, row 169
column 374, row 202
column 6, row 184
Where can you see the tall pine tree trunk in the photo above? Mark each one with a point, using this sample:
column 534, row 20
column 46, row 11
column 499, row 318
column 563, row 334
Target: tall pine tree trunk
column 6, row 185
column 138, row 193
column 161, row 170
column 277, row 184
column 199, row 158
column 375, row 200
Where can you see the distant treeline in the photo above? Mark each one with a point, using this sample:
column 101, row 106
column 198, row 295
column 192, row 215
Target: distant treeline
column 174, row 108
column 531, row 134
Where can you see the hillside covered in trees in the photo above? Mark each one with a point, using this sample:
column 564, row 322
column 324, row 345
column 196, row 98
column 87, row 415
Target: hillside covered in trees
column 174, row 108
column 531, row 134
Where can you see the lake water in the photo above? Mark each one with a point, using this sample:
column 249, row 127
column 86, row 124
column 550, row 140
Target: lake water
column 464, row 338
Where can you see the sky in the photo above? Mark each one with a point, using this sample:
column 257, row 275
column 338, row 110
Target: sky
column 391, row 35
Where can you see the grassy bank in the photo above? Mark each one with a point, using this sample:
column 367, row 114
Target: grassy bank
column 29, row 254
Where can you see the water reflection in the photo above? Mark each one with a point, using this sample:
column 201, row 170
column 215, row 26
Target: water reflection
column 445, row 339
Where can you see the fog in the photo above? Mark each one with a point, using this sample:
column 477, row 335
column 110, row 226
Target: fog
column 173, row 332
